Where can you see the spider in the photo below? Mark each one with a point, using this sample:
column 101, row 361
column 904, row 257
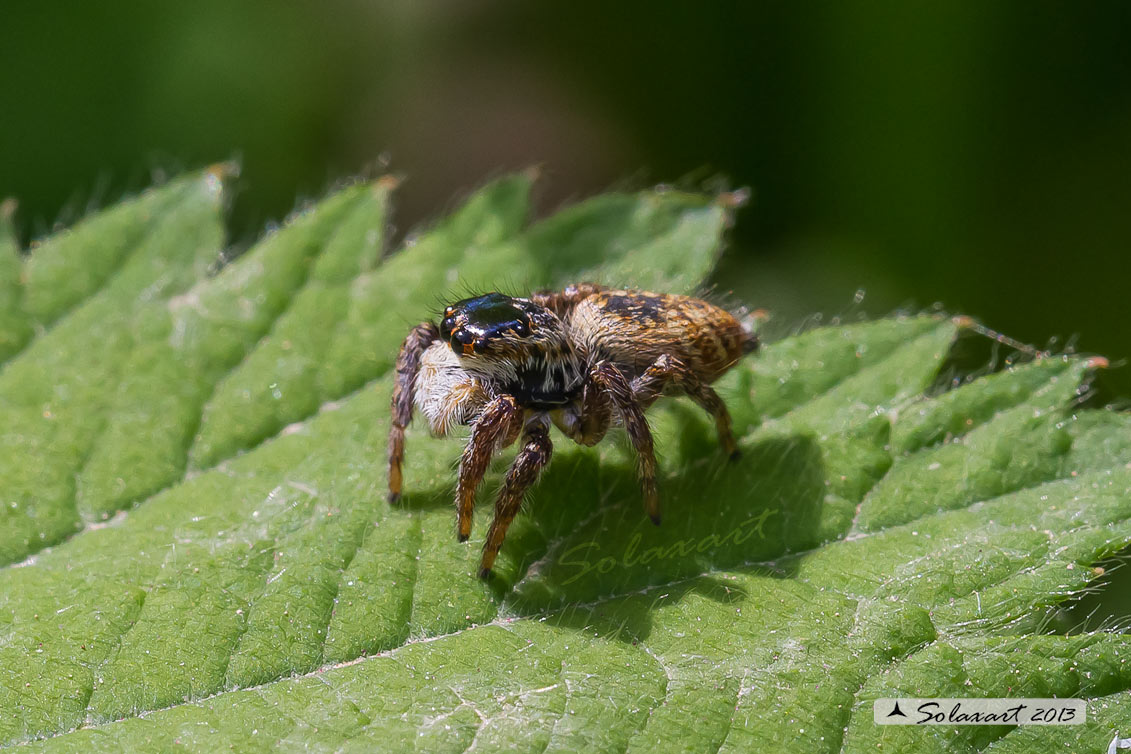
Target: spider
column 584, row 359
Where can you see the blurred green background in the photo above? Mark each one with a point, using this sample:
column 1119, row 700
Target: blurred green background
column 972, row 154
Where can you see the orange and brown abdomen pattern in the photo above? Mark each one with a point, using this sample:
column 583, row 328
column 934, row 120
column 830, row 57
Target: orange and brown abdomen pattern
column 634, row 328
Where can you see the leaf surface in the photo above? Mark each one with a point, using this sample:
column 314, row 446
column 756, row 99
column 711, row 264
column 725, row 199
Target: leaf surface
column 201, row 555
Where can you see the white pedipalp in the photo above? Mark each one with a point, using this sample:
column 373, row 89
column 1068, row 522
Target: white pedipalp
column 446, row 393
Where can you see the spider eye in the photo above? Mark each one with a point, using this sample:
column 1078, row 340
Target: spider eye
column 463, row 336
column 446, row 326
column 521, row 328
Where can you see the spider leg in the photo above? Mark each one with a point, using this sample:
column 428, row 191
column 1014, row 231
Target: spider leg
column 667, row 370
column 404, row 386
column 562, row 302
column 496, row 427
column 588, row 422
column 613, row 383
column 533, row 457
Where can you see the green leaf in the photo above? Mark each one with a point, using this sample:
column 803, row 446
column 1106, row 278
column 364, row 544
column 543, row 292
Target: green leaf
column 57, row 395
column 201, row 557
column 15, row 325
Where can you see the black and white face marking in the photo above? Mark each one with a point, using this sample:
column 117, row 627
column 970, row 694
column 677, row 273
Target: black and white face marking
column 473, row 324
column 516, row 344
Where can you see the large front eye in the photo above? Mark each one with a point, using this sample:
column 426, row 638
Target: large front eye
column 465, row 338
column 446, row 327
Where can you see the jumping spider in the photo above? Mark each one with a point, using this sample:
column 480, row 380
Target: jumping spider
column 585, row 358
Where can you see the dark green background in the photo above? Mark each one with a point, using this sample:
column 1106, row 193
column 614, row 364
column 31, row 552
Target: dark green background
column 974, row 154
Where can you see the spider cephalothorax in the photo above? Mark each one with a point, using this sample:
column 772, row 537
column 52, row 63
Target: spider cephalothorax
column 516, row 344
column 584, row 359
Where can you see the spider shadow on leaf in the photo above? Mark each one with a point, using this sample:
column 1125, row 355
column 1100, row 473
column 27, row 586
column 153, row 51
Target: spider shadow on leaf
column 583, row 535
column 631, row 621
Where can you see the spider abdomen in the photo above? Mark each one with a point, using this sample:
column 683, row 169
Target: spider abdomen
column 634, row 328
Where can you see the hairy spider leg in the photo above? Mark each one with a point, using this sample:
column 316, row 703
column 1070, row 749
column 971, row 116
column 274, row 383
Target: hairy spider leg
column 562, row 302
column 408, row 364
column 593, row 417
column 498, row 425
column 523, row 473
column 667, row 370
column 612, row 382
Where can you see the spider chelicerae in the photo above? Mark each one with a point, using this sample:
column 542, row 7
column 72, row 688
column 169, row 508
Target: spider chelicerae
column 584, row 359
